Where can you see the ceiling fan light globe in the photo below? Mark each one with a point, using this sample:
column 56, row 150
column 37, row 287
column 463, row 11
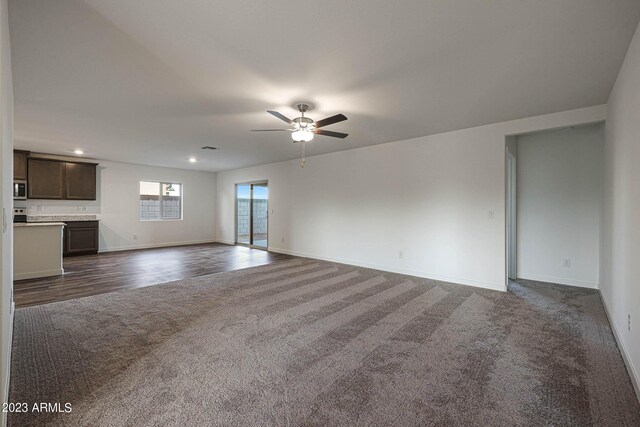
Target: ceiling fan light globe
column 302, row 136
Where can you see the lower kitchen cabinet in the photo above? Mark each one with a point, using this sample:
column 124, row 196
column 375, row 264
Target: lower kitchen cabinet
column 81, row 237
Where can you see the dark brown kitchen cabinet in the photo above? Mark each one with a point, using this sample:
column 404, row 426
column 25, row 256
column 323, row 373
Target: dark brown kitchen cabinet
column 46, row 179
column 58, row 179
column 80, row 181
column 20, row 165
column 81, row 237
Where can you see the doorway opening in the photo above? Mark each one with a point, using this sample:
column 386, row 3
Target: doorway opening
column 252, row 214
column 554, row 195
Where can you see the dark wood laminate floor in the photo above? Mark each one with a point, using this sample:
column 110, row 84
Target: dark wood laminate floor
column 98, row 274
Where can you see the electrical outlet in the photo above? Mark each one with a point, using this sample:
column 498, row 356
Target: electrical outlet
column 79, row 208
column 566, row 262
column 629, row 322
column 135, row 237
column 40, row 208
column 400, row 255
column 283, row 240
column 492, row 214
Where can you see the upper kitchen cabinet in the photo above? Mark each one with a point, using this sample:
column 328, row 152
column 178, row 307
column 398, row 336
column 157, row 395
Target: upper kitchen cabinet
column 20, row 165
column 80, row 181
column 46, row 179
column 58, row 179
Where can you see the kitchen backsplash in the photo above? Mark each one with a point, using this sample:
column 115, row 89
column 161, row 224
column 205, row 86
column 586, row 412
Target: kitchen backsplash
column 58, row 207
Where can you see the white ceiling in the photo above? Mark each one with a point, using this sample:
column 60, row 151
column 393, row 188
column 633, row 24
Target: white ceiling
column 151, row 81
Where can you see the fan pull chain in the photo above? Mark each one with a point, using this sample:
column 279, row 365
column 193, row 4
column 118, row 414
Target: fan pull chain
column 303, row 155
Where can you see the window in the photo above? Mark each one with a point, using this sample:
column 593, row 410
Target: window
column 160, row 201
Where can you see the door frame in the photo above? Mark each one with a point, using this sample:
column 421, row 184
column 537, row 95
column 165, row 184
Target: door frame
column 264, row 182
column 511, row 208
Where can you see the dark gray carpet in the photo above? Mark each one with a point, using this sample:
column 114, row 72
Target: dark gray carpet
column 305, row 342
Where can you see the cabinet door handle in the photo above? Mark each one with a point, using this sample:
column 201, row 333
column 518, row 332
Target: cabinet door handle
column 4, row 220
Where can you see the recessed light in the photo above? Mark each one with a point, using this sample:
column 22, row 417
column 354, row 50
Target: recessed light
column 78, row 152
column 193, row 159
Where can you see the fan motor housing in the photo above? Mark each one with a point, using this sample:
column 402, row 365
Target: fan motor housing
column 301, row 120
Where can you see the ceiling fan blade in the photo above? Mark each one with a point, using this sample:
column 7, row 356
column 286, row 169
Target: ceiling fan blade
column 281, row 116
column 331, row 133
column 331, row 120
column 271, row 130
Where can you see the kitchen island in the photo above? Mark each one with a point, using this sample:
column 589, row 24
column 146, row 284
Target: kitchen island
column 80, row 235
column 37, row 250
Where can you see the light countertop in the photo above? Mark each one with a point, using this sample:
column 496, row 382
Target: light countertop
column 38, row 224
column 57, row 218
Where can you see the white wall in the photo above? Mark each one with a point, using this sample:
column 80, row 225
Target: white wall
column 117, row 207
column 428, row 197
column 559, row 202
column 620, row 265
column 6, row 202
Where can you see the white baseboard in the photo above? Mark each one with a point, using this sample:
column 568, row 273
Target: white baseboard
column 409, row 272
column 558, row 280
column 5, row 386
column 155, row 245
column 635, row 378
column 36, row 274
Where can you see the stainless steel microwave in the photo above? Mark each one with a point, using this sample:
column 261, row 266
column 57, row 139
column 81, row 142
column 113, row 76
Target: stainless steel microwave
column 19, row 190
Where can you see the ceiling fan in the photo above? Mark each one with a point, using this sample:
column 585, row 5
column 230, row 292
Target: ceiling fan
column 303, row 128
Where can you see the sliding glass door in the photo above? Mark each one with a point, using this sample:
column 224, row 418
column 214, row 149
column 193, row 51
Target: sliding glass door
column 252, row 209
column 259, row 215
column 243, row 214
